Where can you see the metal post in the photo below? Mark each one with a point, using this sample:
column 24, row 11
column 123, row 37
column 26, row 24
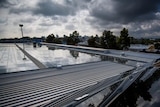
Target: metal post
column 21, row 25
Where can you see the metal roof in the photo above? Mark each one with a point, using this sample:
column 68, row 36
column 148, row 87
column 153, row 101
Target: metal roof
column 135, row 56
column 11, row 59
column 44, row 86
column 37, row 87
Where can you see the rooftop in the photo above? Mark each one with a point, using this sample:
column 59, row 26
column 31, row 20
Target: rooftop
column 70, row 78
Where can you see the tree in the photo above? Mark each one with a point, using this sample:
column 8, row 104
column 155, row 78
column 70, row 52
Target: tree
column 91, row 41
column 124, row 40
column 94, row 41
column 157, row 46
column 64, row 39
column 108, row 40
column 57, row 40
column 50, row 38
column 73, row 38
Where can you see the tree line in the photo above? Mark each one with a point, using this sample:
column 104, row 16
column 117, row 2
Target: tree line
column 110, row 41
column 72, row 39
column 107, row 40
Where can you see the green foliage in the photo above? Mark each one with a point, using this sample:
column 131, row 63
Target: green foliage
column 50, row 38
column 70, row 41
column 92, row 41
column 108, row 40
column 57, row 40
column 73, row 38
column 124, row 40
column 157, row 45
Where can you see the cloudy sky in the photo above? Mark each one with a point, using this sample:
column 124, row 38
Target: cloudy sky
column 88, row 17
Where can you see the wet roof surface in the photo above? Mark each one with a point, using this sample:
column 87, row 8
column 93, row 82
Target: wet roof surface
column 11, row 59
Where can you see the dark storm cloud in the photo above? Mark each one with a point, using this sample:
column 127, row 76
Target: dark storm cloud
column 139, row 16
column 149, row 30
column 78, row 4
column 101, row 25
column 45, row 8
column 50, row 8
column 137, row 9
column 19, row 10
column 156, row 104
column 5, row 4
column 125, row 11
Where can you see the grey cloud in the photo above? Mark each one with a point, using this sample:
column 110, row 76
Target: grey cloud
column 45, row 8
column 78, row 4
column 50, row 8
column 115, row 14
column 101, row 25
column 155, row 27
column 59, row 18
column 24, row 20
column 70, row 27
column 156, row 104
column 125, row 11
column 15, row 23
column 45, row 24
column 3, row 20
column 5, row 4
column 50, row 24
column 50, row 21
column 151, row 32
column 18, row 10
column 28, row 20
column 55, row 18
column 137, row 10
column 100, row 14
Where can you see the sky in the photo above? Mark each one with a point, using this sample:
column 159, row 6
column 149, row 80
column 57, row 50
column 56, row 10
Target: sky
column 88, row 17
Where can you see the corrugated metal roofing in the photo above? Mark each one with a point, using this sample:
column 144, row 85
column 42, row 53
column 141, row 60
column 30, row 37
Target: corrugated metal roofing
column 33, row 88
